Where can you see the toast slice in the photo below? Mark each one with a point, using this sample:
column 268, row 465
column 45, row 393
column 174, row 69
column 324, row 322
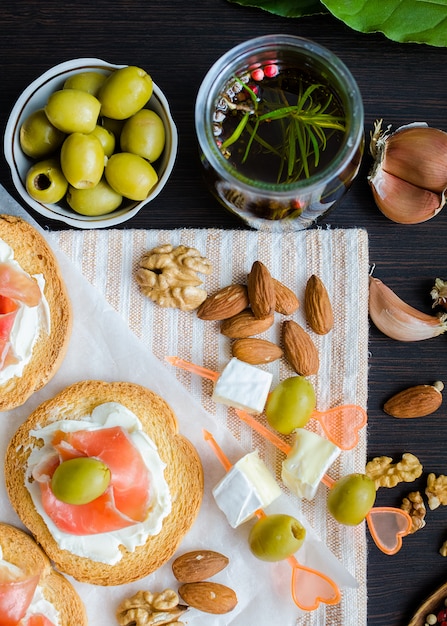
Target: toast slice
column 21, row 550
column 35, row 256
column 183, row 473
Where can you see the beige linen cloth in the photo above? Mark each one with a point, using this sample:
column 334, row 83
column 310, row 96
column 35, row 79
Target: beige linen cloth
column 109, row 259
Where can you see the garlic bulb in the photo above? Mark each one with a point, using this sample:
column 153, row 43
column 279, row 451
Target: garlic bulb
column 439, row 293
column 409, row 176
column 397, row 319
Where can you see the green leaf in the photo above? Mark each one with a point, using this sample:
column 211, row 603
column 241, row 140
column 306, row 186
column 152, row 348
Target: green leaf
column 413, row 21
column 286, row 8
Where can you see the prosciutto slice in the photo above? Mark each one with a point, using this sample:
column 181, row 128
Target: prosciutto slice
column 8, row 312
column 18, row 286
column 38, row 620
column 15, row 597
column 126, row 500
column 15, row 287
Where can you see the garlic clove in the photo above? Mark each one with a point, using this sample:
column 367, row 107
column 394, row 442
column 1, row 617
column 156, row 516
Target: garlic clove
column 401, row 201
column 418, row 155
column 399, row 320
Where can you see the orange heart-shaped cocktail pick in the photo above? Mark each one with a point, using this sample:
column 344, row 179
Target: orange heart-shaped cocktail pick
column 388, row 525
column 342, row 424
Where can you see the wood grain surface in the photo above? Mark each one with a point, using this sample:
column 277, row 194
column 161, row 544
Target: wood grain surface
column 177, row 42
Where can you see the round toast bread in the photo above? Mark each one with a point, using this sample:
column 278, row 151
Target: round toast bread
column 183, row 474
column 21, row 550
column 35, row 256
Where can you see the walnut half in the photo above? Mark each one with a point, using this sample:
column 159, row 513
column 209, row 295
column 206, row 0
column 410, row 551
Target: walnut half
column 169, row 276
column 436, row 490
column 385, row 473
column 149, row 609
column 414, row 505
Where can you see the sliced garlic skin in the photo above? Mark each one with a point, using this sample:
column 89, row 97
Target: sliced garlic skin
column 409, row 175
column 401, row 201
column 399, row 320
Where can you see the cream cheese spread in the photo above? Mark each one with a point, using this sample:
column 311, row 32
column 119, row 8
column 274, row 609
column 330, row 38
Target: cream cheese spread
column 104, row 547
column 245, row 488
column 39, row 604
column 28, row 324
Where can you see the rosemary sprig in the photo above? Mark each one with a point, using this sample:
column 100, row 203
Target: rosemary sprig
column 305, row 128
column 237, row 131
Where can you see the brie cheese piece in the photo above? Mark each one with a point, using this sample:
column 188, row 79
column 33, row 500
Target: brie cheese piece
column 307, row 462
column 243, row 386
column 247, row 487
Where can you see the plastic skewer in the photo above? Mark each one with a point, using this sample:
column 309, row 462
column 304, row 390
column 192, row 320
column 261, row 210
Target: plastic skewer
column 191, row 367
column 341, row 424
column 225, row 461
column 329, row 593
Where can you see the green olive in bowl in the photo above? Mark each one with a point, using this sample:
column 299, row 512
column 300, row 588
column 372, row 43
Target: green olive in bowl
column 45, row 181
column 38, row 137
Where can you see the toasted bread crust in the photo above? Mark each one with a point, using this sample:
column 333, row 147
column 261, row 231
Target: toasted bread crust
column 183, row 474
column 35, row 256
column 21, row 550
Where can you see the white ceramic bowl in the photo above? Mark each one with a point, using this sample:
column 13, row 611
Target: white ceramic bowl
column 34, row 97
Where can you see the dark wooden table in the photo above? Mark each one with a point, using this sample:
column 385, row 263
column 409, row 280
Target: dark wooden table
column 177, row 42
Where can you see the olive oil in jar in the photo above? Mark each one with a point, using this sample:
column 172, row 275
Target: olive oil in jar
column 278, row 124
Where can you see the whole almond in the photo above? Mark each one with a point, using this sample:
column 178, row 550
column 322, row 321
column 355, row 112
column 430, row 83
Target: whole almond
column 256, row 351
column 245, row 324
column 198, row 565
column 261, row 291
column 416, row 401
column 224, row 303
column 208, row 597
column 286, row 302
column 317, row 306
column 299, row 349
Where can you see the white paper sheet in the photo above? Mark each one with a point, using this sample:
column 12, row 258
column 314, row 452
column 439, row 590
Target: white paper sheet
column 103, row 347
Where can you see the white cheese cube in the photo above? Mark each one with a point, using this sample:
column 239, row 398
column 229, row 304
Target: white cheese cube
column 247, row 487
column 243, row 386
column 307, row 462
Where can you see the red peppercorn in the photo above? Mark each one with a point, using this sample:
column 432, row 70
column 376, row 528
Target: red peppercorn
column 296, row 204
column 442, row 616
column 271, row 70
column 257, row 74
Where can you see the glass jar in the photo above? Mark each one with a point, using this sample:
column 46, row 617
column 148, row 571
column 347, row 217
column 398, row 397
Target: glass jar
column 279, row 121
